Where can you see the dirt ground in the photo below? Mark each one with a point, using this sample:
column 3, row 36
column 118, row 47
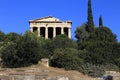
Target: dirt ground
column 42, row 71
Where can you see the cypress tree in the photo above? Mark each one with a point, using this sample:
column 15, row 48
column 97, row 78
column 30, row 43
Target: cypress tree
column 90, row 17
column 100, row 22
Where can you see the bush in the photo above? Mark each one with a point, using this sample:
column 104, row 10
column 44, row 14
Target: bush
column 92, row 70
column 110, row 67
column 66, row 58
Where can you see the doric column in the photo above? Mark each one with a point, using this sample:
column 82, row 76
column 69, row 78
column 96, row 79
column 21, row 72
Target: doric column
column 62, row 30
column 46, row 32
column 69, row 32
column 38, row 31
column 54, row 32
column 31, row 29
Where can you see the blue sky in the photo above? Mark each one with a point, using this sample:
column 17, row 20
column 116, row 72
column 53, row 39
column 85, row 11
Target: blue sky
column 15, row 14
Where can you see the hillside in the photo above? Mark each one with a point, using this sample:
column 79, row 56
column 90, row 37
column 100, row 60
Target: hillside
column 41, row 73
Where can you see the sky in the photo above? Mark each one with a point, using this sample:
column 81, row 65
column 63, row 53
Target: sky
column 15, row 14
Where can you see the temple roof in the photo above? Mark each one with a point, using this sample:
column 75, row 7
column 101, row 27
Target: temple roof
column 47, row 19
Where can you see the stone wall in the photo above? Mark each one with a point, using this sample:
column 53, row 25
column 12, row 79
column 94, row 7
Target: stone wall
column 116, row 75
column 31, row 77
column 30, row 74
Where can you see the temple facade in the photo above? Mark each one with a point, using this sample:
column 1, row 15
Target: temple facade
column 50, row 27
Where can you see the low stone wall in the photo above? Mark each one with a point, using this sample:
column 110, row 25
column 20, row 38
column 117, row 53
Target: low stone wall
column 30, row 74
column 32, row 77
column 116, row 75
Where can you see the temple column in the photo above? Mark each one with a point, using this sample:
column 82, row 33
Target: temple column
column 54, row 32
column 69, row 32
column 62, row 30
column 38, row 31
column 46, row 32
column 31, row 29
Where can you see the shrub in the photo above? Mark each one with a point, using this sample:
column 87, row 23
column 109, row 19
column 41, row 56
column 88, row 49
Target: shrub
column 66, row 58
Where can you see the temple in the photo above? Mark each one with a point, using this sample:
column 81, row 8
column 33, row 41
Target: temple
column 50, row 27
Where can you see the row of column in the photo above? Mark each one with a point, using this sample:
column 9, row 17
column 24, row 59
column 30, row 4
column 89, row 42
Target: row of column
column 54, row 31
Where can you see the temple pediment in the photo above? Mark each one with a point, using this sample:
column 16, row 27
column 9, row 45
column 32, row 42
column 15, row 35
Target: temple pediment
column 48, row 19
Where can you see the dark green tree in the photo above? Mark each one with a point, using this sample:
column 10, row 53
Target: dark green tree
column 90, row 17
column 25, row 52
column 28, row 49
column 100, row 22
column 8, row 55
column 81, row 34
column 12, row 37
column 99, row 46
column 103, row 34
column 116, row 51
column 2, row 36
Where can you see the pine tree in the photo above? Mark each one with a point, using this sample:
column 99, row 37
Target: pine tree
column 100, row 22
column 90, row 17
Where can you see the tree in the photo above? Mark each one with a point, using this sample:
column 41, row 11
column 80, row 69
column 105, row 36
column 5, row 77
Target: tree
column 2, row 36
column 24, row 52
column 99, row 46
column 81, row 34
column 29, row 49
column 8, row 55
column 116, row 51
column 90, row 17
column 12, row 36
column 103, row 34
column 100, row 22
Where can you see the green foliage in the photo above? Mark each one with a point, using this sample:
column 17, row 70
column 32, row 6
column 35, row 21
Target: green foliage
column 46, row 49
column 118, row 62
column 81, row 34
column 66, row 58
column 60, row 41
column 12, row 37
column 110, row 67
column 8, row 55
column 97, row 46
column 93, row 70
column 90, row 17
column 116, row 51
column 28, row 49
column 2, row 36
column 103, row 34
column 98, row 52
column 24, row 52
